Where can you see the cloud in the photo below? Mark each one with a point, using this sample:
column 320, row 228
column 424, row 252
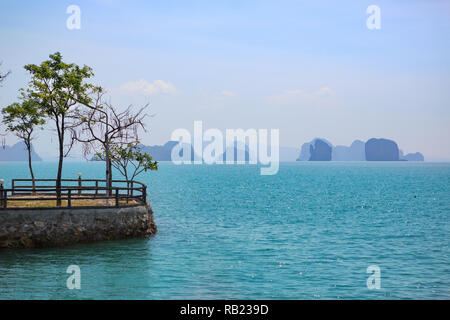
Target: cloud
column 228, row 93
column 324, row 91
column 148, row 88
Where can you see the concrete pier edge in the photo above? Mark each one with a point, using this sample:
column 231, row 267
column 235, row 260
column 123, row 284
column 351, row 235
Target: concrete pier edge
column 34, row 228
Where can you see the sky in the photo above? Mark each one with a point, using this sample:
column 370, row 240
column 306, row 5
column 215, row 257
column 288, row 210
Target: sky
column 308, row 68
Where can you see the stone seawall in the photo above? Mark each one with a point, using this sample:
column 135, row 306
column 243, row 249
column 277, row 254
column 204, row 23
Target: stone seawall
column 59, row 227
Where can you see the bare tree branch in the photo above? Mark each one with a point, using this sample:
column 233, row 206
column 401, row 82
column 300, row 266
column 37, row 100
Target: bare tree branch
column 3, row 76
column 101, row 126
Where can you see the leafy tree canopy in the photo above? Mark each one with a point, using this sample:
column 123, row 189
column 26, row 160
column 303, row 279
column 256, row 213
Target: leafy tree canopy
column 21, row 118
column 59, row 85
column 130, row 156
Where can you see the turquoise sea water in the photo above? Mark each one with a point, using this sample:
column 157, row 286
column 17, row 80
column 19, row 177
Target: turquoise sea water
column 225, row 232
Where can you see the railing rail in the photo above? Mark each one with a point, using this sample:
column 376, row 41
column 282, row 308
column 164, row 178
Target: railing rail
column 122, row 193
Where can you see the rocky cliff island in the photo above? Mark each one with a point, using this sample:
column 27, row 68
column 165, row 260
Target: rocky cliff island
column 381, row 150
column 18, row 152
column 320, row 151
column 374, row 149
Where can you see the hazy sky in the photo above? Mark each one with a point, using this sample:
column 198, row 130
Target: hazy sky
column 309, row 68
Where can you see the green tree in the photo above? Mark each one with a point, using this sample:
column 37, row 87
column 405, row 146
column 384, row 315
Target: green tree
column 21, row 119
column 59, row 88
column 129, row 160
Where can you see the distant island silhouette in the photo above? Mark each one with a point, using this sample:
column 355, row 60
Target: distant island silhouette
column 18, row 152
column 164, row 152
column 381, row 150
column 319, row 149
column 374, row 149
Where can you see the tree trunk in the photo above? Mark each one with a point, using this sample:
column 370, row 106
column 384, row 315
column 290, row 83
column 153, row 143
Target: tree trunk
column 31, row 168
column 58, row 178
column 128, row 185
column 108, row 166
column 108, row 175
column 108, row 160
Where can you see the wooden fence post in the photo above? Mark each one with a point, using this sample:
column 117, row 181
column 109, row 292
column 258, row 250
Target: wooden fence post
column 69, row 199
column 1, row 195
column 5, row 199
column 117, row 197
column 79, row 184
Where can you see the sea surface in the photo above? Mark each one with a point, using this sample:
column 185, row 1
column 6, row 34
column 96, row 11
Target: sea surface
column 226, row 232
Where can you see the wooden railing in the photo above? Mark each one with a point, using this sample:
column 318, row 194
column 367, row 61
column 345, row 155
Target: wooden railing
column 121, row 193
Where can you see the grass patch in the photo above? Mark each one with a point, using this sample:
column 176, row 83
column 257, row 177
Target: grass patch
column 16, row 203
